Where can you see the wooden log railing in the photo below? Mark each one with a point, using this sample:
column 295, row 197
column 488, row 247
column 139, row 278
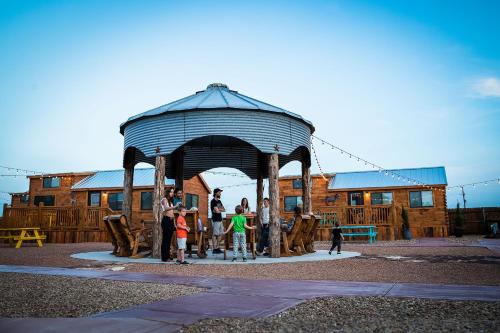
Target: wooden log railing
column 384, row 217
column 56, row 218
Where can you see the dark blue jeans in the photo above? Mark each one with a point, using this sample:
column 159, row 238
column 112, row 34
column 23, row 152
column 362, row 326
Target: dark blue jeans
column 264, row 238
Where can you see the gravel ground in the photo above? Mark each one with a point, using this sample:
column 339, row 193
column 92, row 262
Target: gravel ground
column 367, row 314
column 353, row 269
column 51, row 254
column 26, row 295
column 398, row 261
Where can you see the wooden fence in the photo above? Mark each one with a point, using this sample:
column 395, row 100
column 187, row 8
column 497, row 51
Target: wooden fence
column 61, row 224
column 476, row 220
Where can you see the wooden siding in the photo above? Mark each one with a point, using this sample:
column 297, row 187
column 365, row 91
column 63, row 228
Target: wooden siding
column 424, row 222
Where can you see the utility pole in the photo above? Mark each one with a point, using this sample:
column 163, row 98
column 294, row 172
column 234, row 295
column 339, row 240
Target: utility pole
column 463, row 195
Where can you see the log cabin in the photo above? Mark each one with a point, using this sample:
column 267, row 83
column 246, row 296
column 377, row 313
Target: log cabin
column 374, row 198
column 74, row 203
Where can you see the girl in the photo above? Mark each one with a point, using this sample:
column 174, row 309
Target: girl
column 246, row 207
column 167, row 224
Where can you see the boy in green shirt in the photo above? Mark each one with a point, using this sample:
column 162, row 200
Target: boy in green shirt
column 239, row 224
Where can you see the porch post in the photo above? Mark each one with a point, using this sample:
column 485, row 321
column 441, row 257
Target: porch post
column 179, row 167
column 260, row 198
column 274, row 205
column 128, row 187
column 159, row 192
column 306, row 189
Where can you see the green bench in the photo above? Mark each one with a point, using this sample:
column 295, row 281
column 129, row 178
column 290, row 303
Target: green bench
column 365, row 230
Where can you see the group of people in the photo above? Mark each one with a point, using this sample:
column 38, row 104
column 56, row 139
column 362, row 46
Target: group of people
column 173, row 202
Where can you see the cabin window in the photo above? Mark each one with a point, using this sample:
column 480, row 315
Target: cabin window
column 24, row 198
column 51, row 182
column 146, row 200
column 191, row 200
column 94, row 199
column 292, row 202
column 47, row 200
column 297, row 183
column 115, row 201
column 355, row 199
column 421, row 199
column 381, row 198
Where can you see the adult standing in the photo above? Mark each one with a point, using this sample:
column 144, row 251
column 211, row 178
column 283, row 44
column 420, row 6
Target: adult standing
column 177, row 196
column 245, row 206
column 217, row 208
column 167, row 224
column 264, row 235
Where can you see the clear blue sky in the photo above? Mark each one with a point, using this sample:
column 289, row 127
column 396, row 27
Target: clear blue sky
column 401, row 83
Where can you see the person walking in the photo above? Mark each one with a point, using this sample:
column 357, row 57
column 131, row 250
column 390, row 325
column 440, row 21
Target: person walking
column 264, row 234
column 167, row 224
column 337, row 238
column 217, row 209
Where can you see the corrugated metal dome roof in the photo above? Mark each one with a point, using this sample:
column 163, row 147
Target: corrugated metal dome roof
column 216, row 96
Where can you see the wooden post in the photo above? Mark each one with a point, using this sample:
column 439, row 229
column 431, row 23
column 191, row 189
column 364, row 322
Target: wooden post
column 128, row 187
column 159, row 192
column 260, row 198
column 306, row 189
column 274, row 205
column 179, row 167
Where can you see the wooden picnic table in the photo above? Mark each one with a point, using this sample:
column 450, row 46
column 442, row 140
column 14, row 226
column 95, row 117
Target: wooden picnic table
column 22, row 234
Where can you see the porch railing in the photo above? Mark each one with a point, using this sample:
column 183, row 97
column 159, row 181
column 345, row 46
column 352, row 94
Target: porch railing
column 373, row 215
column 56, row 218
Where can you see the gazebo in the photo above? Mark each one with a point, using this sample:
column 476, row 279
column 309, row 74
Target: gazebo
column 217, row 127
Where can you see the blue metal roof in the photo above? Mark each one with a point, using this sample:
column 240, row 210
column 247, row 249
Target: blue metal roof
column 367, row 179
column 114, row 178
column 216, row 96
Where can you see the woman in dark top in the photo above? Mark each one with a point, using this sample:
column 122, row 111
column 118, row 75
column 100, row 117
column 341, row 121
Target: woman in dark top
column 337, row 238
column 167, row 224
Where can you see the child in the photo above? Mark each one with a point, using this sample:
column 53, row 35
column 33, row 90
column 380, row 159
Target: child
column 239, row 223
column 182, row 230
column 337, row 238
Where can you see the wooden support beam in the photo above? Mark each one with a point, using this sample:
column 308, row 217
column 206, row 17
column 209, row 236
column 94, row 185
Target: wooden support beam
column 128, row 188
column 306, row 189
column 260, row 198
column 159, row 192
column 179, row 170
column 274, row 205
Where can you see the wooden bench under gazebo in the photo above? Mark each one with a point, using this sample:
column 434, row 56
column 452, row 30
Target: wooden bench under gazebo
column 217, row 127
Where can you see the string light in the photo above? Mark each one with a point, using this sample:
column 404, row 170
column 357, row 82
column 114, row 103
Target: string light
column 234, row 174
column 237, row 185
column 317, row 161
column 392, row 173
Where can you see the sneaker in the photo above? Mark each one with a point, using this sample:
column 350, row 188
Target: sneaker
column 184, row 263
column 266, row 254
column 258, row 253
column 330, row 252
column 234, row 259
column 339, row 253
column 178, row 261
column 244, row 259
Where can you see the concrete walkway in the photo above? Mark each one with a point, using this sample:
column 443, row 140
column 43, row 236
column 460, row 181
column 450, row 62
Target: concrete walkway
column 222, row 299
column 319, row 255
